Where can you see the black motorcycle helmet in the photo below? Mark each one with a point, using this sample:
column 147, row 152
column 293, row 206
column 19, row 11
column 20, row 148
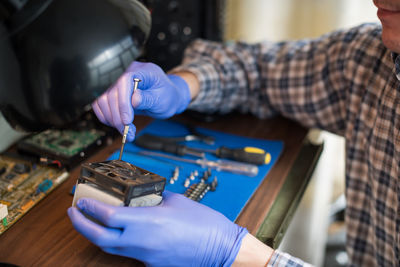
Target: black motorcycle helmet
column 57, row 56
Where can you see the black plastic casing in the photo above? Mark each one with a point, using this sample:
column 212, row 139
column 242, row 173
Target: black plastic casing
column 57, row 56
column 122, row 179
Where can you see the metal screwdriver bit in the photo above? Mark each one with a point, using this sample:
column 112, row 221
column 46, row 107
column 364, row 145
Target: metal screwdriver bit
column 126, row 127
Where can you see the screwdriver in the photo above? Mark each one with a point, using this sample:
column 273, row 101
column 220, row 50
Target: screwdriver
column 253, row 155
column 164, row 144
column 126, row 127
column 219, row 165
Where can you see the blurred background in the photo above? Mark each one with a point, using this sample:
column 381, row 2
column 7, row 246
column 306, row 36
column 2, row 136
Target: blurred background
column 316, row 233
column 256, row 20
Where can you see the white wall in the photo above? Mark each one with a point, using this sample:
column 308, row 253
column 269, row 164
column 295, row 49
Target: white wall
column 255, row 20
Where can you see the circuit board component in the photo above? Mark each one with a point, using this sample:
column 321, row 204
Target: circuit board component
column 22, row 186
column 3, row 214
column 67, row 146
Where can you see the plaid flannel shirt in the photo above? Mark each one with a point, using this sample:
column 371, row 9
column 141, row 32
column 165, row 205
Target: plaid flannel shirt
column 346, row 82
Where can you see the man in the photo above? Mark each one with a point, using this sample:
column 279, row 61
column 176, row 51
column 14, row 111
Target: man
column 346, row 82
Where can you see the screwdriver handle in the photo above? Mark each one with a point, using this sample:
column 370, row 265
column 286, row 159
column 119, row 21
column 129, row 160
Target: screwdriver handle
column 251, row 155
column 159, row 143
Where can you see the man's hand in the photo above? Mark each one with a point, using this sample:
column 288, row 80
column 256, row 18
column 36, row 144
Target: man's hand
column 158, row 95
column 178, row 232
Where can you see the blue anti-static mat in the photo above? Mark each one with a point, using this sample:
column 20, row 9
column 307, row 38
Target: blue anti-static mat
column 233, row 190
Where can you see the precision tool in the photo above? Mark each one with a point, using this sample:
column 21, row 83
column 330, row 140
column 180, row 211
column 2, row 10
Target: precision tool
column 197, row 136
column 126, row 127
column 164, row 144
column 193, row 135
column 251, row 155
column 219, row 165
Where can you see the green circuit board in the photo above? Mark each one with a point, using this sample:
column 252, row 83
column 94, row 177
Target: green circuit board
column 66, row 143
column 23, row 185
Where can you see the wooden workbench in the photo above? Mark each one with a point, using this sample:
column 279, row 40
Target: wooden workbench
column 45, row 236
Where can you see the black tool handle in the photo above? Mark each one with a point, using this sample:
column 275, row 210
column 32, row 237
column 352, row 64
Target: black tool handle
column 251, row 155
column 159, row 143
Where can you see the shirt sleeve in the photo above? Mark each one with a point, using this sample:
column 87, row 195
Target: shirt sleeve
column 281, row 259
column 305, row 80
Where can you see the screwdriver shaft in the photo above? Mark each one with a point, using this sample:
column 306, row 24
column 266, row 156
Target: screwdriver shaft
column 126, row 127
column 220, row 165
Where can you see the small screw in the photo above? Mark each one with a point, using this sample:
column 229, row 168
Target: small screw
column 187, row 182
column 135, row 84
column 176, row 173
column 214, row 184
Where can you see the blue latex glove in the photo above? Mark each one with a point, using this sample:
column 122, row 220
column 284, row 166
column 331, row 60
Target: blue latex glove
column 178, row 232
column 158, row 95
